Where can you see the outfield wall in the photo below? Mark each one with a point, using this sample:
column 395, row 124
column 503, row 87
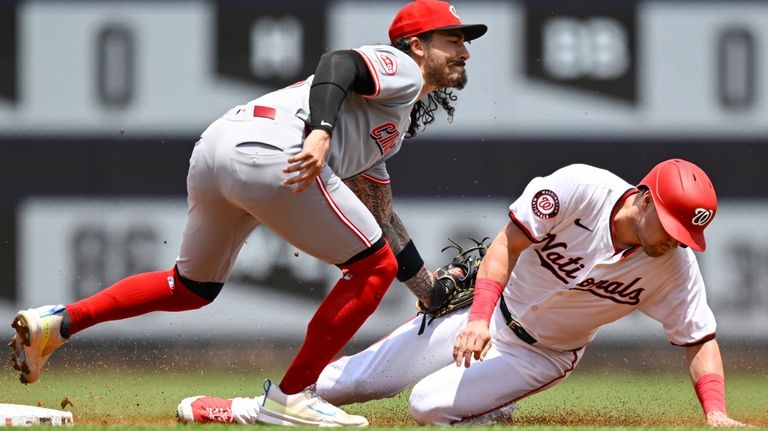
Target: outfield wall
column 101, row 102
column 84, row 244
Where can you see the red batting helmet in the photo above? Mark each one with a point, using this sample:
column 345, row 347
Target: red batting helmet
column 421, row 16
column 685, row 200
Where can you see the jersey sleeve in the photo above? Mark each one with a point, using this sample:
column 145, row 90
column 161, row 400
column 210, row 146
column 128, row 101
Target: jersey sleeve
column 397, row 78
column 544, row 203
column 680, row 305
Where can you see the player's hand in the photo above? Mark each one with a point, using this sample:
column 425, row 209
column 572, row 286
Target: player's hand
column 720, row 419
column 473, row 341
column 310, row 161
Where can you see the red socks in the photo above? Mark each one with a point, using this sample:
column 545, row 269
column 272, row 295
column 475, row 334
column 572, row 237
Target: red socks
column 354, row 297
column 133, row 296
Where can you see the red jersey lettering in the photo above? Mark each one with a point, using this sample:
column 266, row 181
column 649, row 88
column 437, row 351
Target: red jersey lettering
column 386, row 136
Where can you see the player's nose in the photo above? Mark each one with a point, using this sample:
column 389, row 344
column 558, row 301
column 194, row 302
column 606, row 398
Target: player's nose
column 464, row 54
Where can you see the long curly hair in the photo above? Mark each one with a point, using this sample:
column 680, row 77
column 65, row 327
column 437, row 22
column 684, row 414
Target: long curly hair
column 423, row 112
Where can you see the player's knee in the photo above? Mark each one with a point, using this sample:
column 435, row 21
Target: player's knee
column 205, row 292
column 385, row 266
column 345, row 392
column 339, row 385
column 423, row 407
column 377, row 266
column 378, row 257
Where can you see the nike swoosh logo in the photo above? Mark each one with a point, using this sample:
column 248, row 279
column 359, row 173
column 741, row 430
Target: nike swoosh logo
column 578, row 223
column 325, row 123
column 322, row 412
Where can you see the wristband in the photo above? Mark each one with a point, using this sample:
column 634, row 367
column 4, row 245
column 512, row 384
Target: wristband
column 409, row 262
column 710, row 389
column 487, row 294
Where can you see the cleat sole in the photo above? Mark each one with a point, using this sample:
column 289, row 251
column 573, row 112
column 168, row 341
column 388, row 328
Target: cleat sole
column 22, row 338
column 16, row 355
column 35, row 340
column 22, row 329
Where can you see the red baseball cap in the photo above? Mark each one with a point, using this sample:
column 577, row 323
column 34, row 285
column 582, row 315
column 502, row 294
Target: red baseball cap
column 421, row 16
column 685, row 200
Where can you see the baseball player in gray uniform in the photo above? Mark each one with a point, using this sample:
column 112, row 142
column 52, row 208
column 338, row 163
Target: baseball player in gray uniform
column 309, row 162
column 583, row 248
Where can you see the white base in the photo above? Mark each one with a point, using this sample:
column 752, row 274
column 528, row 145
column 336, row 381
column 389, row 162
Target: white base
column 21, row 415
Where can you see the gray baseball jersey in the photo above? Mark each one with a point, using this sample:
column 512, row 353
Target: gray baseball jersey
column 368, row 129
column 235, row 180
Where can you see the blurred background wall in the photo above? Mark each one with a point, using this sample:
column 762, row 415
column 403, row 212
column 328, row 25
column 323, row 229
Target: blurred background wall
column 101, row 103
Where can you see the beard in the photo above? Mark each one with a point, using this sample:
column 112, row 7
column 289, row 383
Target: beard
column 445, row 74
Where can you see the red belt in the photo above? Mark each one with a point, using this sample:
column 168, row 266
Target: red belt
column 264, row 112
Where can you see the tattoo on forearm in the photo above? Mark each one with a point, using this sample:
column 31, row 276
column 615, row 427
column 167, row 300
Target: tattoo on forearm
column 398, row 234
column 378, row 199
column 421, row 285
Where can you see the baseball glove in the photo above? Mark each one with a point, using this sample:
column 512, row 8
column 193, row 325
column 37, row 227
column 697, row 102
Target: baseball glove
column 454, row 283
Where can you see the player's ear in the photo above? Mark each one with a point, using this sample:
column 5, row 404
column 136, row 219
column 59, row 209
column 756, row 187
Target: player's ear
column 646, row 199
column 418, row 46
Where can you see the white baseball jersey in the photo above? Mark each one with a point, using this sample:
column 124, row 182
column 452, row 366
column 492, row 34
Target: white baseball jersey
column 565, row 286
column 573, row 280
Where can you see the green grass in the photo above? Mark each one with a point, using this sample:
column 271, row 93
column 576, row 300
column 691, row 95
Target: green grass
column 105, row 398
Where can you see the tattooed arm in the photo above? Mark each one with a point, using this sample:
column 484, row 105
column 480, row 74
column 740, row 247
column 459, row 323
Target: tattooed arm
column 378, row 198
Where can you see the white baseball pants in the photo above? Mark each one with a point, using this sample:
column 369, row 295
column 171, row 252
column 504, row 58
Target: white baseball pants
column 445, row 394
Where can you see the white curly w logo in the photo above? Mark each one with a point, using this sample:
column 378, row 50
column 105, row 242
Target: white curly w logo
column 702, row 217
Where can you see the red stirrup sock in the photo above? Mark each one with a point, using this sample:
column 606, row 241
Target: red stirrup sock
column 133, row 296
column 354, row 297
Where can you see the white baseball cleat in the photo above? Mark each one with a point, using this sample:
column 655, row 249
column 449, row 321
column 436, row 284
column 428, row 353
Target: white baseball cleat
column 304, row 408
column 203, row 409
column 37, row 336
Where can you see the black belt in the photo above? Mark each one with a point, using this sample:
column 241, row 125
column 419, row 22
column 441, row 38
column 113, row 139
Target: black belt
column 514, row 325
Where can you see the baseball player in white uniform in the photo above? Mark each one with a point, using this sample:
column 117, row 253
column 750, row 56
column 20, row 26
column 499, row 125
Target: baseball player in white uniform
column 583, row 248
column 309, row 162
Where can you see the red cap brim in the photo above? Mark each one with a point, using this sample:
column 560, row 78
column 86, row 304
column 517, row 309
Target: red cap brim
column 677, row 230
column 471, row 31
